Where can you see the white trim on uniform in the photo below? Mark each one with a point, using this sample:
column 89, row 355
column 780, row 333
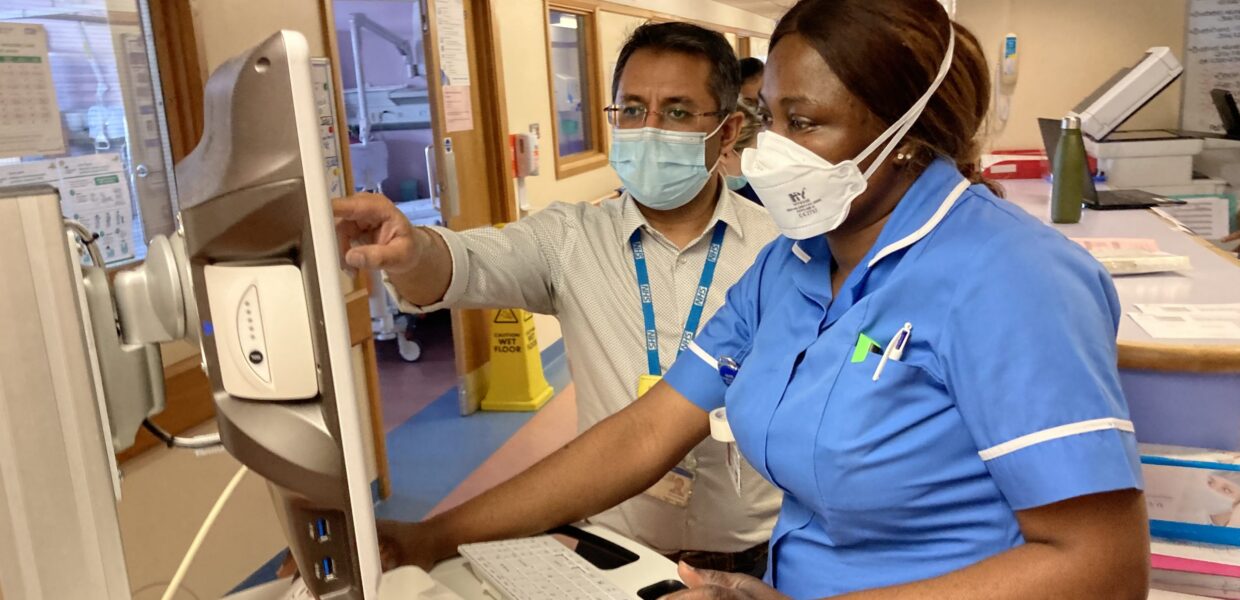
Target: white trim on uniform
column 1054, row 433
column 702, row 354
column 801, row 254
column 926, row 227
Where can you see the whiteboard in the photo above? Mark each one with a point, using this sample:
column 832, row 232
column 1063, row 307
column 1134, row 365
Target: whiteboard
column 1211, row 60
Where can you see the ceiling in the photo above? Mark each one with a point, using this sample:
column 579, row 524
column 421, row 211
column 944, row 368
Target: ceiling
column 773, row 9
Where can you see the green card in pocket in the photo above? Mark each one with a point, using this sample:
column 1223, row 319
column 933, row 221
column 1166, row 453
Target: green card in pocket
column 865, row 345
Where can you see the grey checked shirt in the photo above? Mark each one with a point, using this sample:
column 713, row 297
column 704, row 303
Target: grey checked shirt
column 574, row 261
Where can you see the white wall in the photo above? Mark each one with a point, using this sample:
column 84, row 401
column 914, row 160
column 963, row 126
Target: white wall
column 759, row 47
column 1068, row 48
column 707, row 11
column 226, row 28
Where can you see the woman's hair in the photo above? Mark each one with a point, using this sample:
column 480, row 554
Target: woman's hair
column 751, row 126
column 887, row 53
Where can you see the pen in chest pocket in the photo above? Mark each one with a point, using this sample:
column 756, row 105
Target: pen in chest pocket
column 895, row 349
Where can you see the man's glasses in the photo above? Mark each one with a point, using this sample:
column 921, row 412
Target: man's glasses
column 634, row 116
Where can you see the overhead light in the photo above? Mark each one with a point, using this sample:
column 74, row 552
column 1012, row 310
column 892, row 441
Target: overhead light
column 566, row 21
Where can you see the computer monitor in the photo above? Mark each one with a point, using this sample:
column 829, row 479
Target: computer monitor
column 1228, row 113
column 264, row 262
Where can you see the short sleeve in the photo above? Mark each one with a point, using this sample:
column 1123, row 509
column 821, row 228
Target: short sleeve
column 1030, row 358
column 695, row 374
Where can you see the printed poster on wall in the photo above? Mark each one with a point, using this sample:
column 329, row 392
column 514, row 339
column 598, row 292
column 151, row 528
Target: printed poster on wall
column 457, row 108
column 29, row 115
column 1211, row 60
column 94, row 190
column 453, row 42
column 454, row 65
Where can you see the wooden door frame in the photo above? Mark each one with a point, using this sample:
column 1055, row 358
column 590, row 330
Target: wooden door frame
column 490, row 99
column 471, row 328
column 181, row 72
column 494, row 106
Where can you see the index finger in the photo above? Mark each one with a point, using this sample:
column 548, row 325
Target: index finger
column 365, row 209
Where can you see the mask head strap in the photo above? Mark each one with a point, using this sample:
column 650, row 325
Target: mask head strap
column 901, row 127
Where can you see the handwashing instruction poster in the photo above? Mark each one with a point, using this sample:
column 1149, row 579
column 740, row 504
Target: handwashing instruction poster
column 94, row 191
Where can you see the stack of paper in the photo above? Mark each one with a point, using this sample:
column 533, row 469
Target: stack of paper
column 1133, row 256
column 1189, row 321
column 1212, row 571
column 1208, row 217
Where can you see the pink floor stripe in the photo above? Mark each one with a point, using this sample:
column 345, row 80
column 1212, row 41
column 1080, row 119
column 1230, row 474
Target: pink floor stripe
column 545, row 433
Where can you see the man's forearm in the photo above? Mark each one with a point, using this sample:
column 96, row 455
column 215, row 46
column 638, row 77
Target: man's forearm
column 427, row 282
column 612, row 462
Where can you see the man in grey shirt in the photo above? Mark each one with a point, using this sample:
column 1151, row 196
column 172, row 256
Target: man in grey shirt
column 666, row 251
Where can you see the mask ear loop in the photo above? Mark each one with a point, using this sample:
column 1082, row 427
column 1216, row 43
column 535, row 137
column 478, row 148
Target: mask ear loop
column 905, row 123
column 718, row 159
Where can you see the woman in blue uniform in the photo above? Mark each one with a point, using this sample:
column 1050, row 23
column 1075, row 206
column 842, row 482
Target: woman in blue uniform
column 926, row 371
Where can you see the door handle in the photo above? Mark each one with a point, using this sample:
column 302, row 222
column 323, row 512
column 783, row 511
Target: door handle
column 431, row 180
column 448, row 187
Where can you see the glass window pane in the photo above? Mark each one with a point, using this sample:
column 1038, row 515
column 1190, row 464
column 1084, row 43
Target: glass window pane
column 111, row 160
column 571, row 82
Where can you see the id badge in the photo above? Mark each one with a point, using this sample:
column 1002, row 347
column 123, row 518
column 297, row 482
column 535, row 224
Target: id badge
column 675, row 488
column 645, row 382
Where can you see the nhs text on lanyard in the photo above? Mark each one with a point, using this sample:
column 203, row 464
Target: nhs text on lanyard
column 654, row 371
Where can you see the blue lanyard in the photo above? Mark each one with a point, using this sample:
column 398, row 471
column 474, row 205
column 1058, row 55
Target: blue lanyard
column 699, row 299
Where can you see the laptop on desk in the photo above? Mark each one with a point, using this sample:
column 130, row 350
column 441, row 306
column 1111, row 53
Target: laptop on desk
column 1105, row 199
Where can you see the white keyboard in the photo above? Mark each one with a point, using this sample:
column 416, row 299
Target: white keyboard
column 538, row 568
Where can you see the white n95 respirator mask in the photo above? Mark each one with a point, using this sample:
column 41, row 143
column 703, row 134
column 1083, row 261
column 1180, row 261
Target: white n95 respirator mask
column 808, row 195
column 661, row 169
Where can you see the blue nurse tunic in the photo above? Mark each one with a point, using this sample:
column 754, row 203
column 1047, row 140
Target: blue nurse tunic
column 1006, row 398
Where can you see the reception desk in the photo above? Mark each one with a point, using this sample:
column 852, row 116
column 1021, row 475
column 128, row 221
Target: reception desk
column 1183, row 392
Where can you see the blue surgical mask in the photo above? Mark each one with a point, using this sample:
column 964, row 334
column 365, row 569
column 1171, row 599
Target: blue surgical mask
column 661, row 169
column 736, row 183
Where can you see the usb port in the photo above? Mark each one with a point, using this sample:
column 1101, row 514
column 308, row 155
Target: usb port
column 320, row 530
column 327, row 569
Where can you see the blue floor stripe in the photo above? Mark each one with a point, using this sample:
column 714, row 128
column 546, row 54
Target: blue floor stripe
column 434, row 451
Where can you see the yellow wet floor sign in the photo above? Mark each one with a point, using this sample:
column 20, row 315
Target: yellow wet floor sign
column 517, row 379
